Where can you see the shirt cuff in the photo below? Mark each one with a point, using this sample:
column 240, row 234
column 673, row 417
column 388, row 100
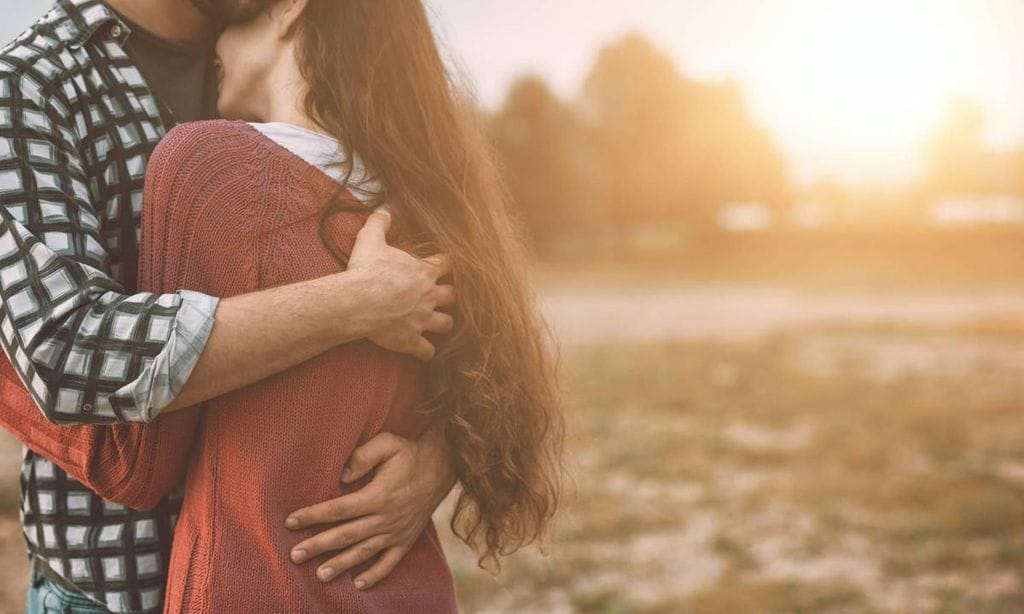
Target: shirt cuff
column 165, row 375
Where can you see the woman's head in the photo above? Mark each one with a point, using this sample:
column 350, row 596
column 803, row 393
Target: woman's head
column 375, row 80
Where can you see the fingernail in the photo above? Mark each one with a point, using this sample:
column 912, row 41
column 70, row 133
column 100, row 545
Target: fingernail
column 298, row 555
column 346, row 473
column 325, row 573
column 360, row 583
column 291, row 522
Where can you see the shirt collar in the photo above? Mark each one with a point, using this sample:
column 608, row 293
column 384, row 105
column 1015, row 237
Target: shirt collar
column 80, row 20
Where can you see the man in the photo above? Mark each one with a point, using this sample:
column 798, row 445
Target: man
column 85, row 95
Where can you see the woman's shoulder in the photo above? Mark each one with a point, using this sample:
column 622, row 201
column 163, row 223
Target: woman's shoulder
column 203, row 167
column 210, row 129
column 219, row 140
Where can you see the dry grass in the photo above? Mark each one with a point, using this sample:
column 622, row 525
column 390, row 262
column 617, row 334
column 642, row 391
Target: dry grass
column 735, row 478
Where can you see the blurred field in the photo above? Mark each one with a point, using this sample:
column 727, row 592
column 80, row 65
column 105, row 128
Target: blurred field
column 767, row 441
column 855, row 261
column 832, row 425
column 840, row 469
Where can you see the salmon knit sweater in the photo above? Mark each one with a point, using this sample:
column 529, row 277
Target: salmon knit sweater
column 228, row 211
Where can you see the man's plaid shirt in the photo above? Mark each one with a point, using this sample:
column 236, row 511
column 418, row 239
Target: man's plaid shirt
column 77, row 126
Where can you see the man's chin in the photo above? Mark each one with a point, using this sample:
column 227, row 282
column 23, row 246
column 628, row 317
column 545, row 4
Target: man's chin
column 208, row 8
column 229, row 11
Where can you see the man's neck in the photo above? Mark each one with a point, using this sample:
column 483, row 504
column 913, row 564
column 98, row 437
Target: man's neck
column 177, row 21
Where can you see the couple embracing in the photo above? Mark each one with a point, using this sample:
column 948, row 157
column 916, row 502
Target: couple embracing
column 264, row 303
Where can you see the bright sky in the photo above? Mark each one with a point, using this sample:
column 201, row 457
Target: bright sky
column 849, row 88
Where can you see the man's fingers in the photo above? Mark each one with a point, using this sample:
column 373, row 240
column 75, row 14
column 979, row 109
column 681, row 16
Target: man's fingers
column 380, row 570
column 442, row 264
column 347, row 507
column 374, row 229
column 440, row 322
column 444, row 294
column 367, row 456
column 353, row 556
column 335, row 539
column 424, row 350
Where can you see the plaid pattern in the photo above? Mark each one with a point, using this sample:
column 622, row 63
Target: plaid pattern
column 77, row 126
column 113, row 554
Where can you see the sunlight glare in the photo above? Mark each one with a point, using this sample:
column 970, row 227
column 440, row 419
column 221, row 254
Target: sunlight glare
column 862, row 79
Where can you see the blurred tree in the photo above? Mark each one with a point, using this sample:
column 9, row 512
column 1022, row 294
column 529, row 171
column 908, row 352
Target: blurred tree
column 960, row 162
column 955, row 153
column 632, row 104
column 730, row 156
column 544, row 161
column 669, row 148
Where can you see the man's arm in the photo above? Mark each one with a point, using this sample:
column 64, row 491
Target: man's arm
column 386, row 295
column 89, row 353
column 85, row 350
column 262, row 333
column 137, row 465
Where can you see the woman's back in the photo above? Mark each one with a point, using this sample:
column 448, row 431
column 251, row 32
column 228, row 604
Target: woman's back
column 241, row 212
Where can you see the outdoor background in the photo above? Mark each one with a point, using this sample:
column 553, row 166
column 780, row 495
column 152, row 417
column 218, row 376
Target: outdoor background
column 782, row 243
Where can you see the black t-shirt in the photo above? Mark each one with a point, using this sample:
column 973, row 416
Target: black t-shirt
column 183, row 77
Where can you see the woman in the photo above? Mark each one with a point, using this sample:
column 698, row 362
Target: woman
column 350, row 107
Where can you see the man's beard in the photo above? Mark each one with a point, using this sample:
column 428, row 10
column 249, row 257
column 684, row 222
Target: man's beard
column 230, row 11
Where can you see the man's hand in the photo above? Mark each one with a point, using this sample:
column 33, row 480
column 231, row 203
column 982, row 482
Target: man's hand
column 387, row 295
column 409, row 285
column 387, row 515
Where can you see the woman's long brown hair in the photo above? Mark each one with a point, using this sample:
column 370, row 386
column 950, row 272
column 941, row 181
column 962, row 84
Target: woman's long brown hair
column 377, row 82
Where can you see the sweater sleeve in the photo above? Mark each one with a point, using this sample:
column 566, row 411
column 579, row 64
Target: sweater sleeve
column 192, row 237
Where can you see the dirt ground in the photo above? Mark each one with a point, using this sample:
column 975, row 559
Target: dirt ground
column 748, row 313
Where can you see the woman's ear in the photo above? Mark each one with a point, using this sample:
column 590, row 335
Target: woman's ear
column 287, row 15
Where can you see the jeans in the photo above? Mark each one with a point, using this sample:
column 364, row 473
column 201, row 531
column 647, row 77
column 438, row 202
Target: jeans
column 47, row 597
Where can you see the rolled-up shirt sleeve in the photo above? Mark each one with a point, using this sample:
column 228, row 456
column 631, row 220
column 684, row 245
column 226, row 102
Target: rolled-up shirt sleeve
column 87, row 351
column 164, row 376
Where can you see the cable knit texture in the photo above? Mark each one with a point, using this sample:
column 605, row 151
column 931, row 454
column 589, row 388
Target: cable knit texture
column 228, row 211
